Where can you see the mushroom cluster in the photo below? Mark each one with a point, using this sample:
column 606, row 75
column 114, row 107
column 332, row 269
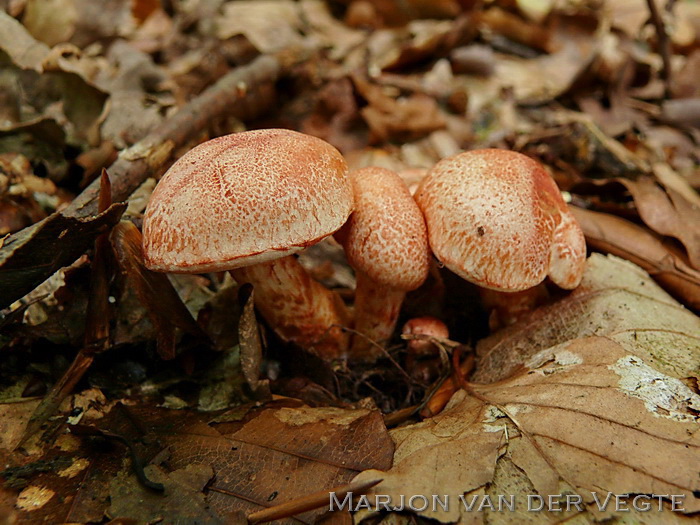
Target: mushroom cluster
column 247, row 202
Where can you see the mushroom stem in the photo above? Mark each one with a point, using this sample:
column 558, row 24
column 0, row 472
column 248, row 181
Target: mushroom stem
column 377, row 309
column 507, row 308
column 297, row 307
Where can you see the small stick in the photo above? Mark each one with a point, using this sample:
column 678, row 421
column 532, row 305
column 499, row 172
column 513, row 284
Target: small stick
column 310, row 502
column 664, row 46
column 96, row 325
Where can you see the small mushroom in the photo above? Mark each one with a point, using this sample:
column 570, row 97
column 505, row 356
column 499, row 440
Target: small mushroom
column 428, row 326
column 386, row 242
column 246, row 202
column 423, row 356
column 497, row 219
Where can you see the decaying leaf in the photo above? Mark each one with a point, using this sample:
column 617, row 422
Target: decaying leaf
column 182, row 498
column 611, row 234
column 616, row 299
column 56, row 242
column 405, row 118
column 164, row 307
column 586, row 401
column 667, row 212
column 251, row 344
column 282, row 454
column 543, row 78
column 271, row 25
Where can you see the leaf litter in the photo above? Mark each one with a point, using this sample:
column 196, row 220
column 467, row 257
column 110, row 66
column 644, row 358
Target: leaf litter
column 578, row 398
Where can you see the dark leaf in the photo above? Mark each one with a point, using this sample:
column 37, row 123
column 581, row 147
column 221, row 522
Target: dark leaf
column 31, row 255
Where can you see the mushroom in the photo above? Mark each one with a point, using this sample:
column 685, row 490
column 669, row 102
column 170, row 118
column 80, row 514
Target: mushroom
column 386, row 242
column 497, row 219
column 426, row 326
column 423, row 356
column 245, row 203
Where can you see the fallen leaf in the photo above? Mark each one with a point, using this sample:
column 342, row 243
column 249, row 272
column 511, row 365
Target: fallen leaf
column 399, row 12
column 616, row 299
column 283, row 454
column 46, row 79
column 611, row 234
column 667, row 212
column 336, row 117
column 56, row 242
column 163, row 306
column 21, row 47
column 251, row 345
column 402, row 118
column 13, row 420
column 271, row 25
column 538, row 80
column 182, row 501
column 589, row 393
column 501, row 22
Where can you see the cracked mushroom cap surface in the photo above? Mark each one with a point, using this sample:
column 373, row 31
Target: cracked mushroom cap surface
column 497, row 219
column 386, row 237
column 245, row 198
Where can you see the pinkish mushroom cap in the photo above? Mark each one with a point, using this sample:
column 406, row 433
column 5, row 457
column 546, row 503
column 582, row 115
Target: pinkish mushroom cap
column 245, row 198
column 497, row 219
column 386, row 237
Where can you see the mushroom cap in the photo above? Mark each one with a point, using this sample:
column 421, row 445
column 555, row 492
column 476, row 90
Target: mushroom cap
column 386, row 237
column 497, row 219
column 245, row 198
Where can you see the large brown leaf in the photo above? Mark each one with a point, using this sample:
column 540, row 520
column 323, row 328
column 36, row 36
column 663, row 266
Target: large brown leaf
column 612, row 234
column 591, row 404
column 668, row 212
column 284, row 454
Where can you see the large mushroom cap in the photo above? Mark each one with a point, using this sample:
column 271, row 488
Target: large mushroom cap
column 245, row 198
column 497, row 219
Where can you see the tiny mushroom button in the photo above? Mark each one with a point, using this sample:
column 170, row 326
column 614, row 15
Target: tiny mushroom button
column 497, row 219
column 386, row 242
column 246, row 202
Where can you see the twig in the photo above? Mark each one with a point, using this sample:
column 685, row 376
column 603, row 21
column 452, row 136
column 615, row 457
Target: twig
column 664, row 45
column 310, row 502
column 383, row 351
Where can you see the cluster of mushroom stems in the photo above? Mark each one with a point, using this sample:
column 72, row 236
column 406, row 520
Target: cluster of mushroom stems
column 247, row 202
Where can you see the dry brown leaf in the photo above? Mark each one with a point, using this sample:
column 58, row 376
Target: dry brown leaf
column 164, row 306
column 403, row 118
column 667, row 212
column 596, row 396
column 337, row 37
column 336, row 116
column 629, row 15
column 78, row 21
column 23, row 50
column 501, row 22
column 182, row 501
column 251, row 345
column 611, row 234
column 282, row 454
column 544, row 78
column 616, row 299
column 419, row 41
column 271, row 25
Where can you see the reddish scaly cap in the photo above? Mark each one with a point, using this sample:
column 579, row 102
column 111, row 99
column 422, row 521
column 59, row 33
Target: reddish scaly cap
column 386, row 237
column 497, row 219
column 245, row 198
